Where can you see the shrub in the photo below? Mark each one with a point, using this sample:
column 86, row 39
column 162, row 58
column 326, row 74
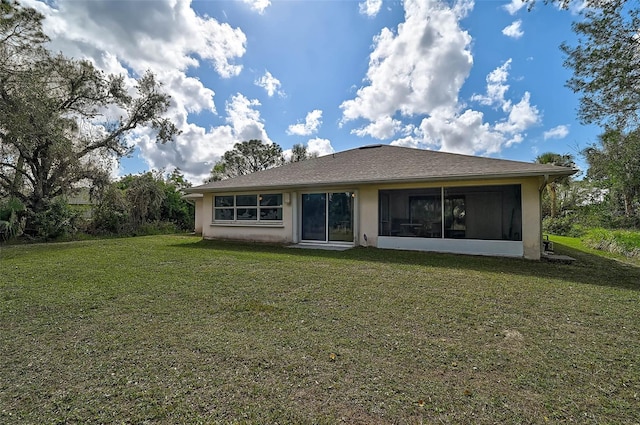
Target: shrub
column 623, row 242
column 11, row 222
column 55, row 220
column 562, row 226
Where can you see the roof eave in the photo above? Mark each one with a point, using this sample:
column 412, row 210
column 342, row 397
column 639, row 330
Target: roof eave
column 460, row 177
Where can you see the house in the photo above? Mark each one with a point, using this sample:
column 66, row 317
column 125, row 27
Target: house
column 387, row 197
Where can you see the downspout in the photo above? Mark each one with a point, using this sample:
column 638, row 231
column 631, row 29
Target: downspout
column 540, row 191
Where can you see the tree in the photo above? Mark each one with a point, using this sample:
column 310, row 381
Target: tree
column 299, row 152
column 606, row 64
column 55, row 128
column 616, row 165
column 247, row 157
column 565, row 160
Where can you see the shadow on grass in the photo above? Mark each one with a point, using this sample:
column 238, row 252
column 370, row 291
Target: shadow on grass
column 587, row 269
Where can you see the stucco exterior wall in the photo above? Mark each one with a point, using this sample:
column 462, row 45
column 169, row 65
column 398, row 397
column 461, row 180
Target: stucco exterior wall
column 198, row 217
column 277, row 232
column 531, row 232
column 366, row 213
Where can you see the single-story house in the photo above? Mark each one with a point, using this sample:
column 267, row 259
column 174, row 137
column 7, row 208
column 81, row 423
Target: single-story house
column 387, row 197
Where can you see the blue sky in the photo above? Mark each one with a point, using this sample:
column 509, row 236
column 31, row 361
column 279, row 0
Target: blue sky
column 483, row 77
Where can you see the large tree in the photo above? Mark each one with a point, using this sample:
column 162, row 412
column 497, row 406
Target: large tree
column 606, row 64
column 247, row 157
column 60, row 118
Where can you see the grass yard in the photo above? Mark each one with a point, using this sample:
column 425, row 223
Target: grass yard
column 172, row 329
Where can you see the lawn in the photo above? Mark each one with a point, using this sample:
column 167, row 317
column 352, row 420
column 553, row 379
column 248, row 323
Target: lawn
column 172, row 329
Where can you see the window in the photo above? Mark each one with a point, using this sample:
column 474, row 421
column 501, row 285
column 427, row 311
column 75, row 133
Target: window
column 248, row 208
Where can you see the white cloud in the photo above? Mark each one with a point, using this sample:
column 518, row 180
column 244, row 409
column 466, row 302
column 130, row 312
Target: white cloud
column 270, row 83
column 496, row 88
column 465, row 133
column 196, row 150
column 168, row 38
column 165, row 34
column 521, row 116
column 310, row 125
column 514, row 6
column 258, row 5
column 383, row 128
column 559, row 132
column 416, row 70
column 514, row 30
column 245, row 119
column 320, row 146
column 370, row 7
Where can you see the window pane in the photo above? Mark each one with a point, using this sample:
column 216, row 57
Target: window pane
column 270, row 214
column 246, row 200
column 274, row 199
column 224, row 201
column 223, row 214
column 247, row 213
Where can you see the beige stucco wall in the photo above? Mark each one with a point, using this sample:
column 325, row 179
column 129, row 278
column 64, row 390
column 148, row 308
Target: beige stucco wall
column 531, row 234
column 366, row 214
column 198, row 218
column 276, row 233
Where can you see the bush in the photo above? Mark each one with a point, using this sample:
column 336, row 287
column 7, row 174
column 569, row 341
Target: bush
column 623, row 242
column 11, row 221
column 562, row 226
column 55, row 220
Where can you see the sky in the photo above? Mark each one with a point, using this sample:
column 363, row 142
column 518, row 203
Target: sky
column 474, row 77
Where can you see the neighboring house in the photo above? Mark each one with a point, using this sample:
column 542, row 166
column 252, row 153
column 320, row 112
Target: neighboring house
column 387, row 197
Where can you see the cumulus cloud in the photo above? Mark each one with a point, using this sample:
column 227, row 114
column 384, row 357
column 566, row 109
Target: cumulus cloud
column 496, row 88
column 559, row 132
column 514, row 6
column 416, row 70
column 169, row 38
column 270, row 83
column 514, row 30
column 383, row 128
column 320, row 146
column 370, row 7
column 309, row 126
column 196, row 150
column 258, row 5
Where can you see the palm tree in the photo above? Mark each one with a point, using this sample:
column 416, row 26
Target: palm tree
column 552, row 158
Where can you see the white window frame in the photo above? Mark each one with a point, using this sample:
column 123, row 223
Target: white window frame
column 258, row 207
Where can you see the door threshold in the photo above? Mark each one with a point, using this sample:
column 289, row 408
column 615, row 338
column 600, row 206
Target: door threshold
column 324, row 246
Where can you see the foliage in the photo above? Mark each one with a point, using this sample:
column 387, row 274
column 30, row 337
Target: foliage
column 622, row 242
column 565, row 160
column 173, row 329
column 564, row 225
column 55, row 128
column 11, row 224
column 300, row 152
column 247, row 157
column 144, row 204
column 54, row 220
column 615, row 165
column 606, row 64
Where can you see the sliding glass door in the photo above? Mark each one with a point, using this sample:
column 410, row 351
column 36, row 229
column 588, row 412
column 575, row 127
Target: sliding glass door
column 327, row 217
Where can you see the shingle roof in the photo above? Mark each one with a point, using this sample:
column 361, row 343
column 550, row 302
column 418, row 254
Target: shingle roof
column 382, row 164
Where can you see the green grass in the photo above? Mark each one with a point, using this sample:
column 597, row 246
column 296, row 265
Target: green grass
column 172, row 329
